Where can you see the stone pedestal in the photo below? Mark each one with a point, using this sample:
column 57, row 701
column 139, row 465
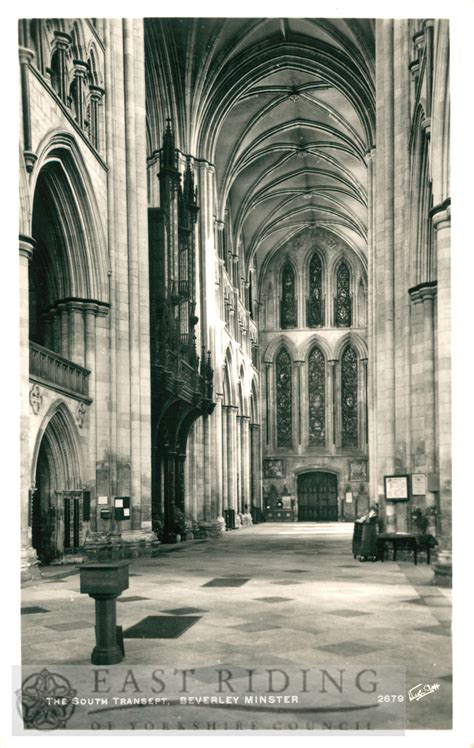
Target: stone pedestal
column 212, row 529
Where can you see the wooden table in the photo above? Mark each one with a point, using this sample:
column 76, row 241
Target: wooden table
column 406, row 542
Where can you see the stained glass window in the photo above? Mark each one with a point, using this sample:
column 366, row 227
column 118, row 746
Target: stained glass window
column 283, row 399
column 314, row 309
column 349, row 398
column 288, row 298
column 342, row 301
column 317, row 397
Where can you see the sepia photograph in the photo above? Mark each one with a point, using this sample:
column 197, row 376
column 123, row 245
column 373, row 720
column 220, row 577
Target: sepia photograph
column 234, row 480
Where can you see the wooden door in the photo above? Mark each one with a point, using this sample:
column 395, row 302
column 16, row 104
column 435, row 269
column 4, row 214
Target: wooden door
column 317, row 497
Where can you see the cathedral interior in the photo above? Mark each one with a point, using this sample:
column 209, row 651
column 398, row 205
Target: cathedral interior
column 235, row 284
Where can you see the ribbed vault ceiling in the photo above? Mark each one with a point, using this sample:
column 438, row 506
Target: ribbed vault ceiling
column 284, row 109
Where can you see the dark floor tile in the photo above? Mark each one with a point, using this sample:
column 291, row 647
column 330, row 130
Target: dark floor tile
column 72, row 626
column 439, row 630
column 417, row 601
column 161, row 627
column 132, row 599
column 297, row 571
column 350, row 648
column 347, row 613
column 288, row 581
column 227, row 582
column 33, row 609
column 134, row 574
column 185, row 611
column 255, row 626
column 273, row 599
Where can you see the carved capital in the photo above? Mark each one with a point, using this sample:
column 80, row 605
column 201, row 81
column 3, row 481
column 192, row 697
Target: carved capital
column 26, row 246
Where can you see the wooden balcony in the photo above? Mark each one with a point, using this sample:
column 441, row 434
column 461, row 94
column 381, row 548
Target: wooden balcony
column 57, row 373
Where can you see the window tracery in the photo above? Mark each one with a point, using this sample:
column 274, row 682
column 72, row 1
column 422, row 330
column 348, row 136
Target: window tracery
column 317, row 398
column 288, row 297
column 349, row 404
column 315, row 308
column 284, row 399
column 343, row 301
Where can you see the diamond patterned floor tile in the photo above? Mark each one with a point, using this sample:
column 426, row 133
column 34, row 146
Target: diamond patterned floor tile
column 440, row 630
column 132, row 599
column 297, row 571
column 160, row 627
column 33, row 609
column 273, row 599
column 255, row 626
column 227, row 582
column 288, row 581
column 71, row 626
column 185, row 611
column 350, row 648
column 347, row 613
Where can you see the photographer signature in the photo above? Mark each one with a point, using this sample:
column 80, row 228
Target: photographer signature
column 419, row 691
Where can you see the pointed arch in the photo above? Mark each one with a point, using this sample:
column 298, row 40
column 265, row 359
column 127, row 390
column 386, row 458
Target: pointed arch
column 71, row 222
column 60, row 431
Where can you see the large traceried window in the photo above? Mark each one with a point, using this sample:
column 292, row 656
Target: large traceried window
column 288, row 297
column 317, row 398
column 315, row 302
column 284, row 411
column 349, row 404
column 342, row 299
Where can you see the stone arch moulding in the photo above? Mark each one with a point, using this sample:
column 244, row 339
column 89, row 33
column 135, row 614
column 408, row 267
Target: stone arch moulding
column 353, row 339
column 60, row 421
column 25, row 202
column 301, row 470
column 281, row 341
column 59, row 147
column 312, row 341
column 230, row 376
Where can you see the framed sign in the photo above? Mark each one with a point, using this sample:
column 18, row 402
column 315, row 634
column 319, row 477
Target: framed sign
column 418, row 484
column 396, row 487
column 274, row 468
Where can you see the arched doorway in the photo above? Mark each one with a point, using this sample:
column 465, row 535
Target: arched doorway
column 60, row 508
column 317, row 497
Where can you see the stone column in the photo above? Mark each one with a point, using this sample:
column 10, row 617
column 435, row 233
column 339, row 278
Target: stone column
column 96, row 95
column 239, row 452
column 442, row 225
column 363, row 404
column 428, row 295
column 90, row 312
column 26, row 56
column 217, row 457
column 245, row 426
column 256, row 463
column 65, row 333
column 225, row 458
column 28, row 558
column 232, row 451
column 207, row 468
column 80, row 75
column 76, row 332
column 62, row 42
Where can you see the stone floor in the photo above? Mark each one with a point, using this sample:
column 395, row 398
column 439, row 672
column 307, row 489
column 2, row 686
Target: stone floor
column 288, row 598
